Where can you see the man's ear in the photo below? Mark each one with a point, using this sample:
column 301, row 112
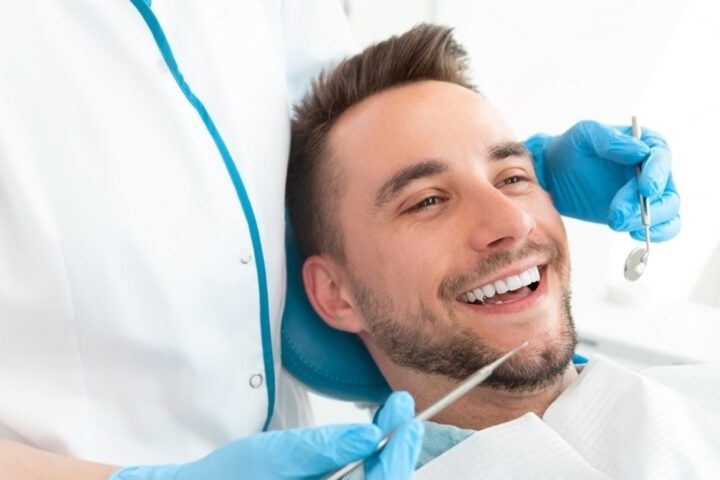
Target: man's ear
column 329, row 295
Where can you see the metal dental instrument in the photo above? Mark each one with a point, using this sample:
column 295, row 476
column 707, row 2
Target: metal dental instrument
column 637, row 259
column 468, row 384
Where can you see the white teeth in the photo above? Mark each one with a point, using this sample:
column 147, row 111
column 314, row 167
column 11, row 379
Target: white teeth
column 534, row 274
column 501, row 287
column 511, row 283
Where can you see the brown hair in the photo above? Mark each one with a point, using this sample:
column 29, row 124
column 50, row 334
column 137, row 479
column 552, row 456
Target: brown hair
column 426, row 52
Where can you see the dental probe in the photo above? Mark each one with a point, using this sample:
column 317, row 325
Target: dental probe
column 637, row 258
column 468, row 384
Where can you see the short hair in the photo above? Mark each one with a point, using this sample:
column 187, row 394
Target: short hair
column 426, row 52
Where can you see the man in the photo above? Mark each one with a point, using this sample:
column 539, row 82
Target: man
column 143, row 148
column 429, row 235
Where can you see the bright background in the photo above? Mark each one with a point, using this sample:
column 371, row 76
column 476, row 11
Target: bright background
column 547, row 65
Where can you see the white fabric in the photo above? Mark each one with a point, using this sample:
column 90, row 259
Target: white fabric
column 129, row 315
column 610, row 423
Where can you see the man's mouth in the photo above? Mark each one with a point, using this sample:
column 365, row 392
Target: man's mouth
column 506, row 289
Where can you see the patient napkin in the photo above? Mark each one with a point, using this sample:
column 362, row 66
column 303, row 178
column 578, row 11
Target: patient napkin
column 610, row 423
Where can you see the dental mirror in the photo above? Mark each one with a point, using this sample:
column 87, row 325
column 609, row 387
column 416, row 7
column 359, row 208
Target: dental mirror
column 635, row 263
column 637, row 258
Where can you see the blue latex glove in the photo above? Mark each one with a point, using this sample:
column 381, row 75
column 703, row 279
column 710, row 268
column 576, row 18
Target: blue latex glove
column 399, row 457
column 590, row 173
column 304, row 453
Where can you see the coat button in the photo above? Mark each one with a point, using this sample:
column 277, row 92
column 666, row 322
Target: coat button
column 256, row 380
column 246, row 258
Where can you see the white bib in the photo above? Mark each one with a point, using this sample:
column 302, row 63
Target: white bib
column 610, row 423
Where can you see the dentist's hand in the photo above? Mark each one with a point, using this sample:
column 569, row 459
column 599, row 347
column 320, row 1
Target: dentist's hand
column 590, row 173
column 304, row 453
column 399, row 457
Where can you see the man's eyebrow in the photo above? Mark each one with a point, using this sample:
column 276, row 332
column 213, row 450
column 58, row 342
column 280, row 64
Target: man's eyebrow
column 407, row 175
column 431, row 167
column 503, row 150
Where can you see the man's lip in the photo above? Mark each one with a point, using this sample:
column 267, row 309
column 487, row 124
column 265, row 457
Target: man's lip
column 508, row 272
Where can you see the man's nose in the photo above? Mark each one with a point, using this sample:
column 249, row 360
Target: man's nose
column 499, row 222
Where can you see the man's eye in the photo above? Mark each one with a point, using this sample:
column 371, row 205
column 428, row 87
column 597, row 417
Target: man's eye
column 513, row 179
column 426, row 203
column 515, row 182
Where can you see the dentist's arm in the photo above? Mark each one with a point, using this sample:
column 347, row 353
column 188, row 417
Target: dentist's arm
column 289, row 454
column 590, row 172
column 278, row 455
column 304, row 453
column 20, row 462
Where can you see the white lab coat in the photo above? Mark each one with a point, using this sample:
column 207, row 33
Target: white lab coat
column 130, row 329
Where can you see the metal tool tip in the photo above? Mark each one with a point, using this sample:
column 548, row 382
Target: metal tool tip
column 512, row 352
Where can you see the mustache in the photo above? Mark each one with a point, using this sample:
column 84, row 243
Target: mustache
column 453, row 286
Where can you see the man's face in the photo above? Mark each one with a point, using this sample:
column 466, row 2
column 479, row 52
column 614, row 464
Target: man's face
column 441, row 205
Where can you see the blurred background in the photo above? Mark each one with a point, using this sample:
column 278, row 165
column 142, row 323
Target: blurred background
column 547, row 65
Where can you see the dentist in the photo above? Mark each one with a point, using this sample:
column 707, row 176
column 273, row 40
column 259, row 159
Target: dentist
column 142, row 272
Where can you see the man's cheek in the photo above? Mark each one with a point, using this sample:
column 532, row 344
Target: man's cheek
column 548, row 217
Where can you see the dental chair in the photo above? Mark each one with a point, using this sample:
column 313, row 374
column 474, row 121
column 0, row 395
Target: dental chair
column 328, row 361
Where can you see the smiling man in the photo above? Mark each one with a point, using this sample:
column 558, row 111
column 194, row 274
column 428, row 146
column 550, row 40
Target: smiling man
column 428, row 234
column 441, row 248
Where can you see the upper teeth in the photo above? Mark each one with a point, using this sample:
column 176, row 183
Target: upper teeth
column 509, row 284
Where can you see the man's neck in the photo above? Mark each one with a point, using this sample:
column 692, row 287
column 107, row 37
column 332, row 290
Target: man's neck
column 483, row 407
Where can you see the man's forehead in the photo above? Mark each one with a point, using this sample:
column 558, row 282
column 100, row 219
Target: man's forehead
column 410, row 124
column 415, row 105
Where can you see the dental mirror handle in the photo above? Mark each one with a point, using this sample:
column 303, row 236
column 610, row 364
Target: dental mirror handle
column 644, row 201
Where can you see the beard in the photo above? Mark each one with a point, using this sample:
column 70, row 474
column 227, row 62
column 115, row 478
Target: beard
column 429, row 343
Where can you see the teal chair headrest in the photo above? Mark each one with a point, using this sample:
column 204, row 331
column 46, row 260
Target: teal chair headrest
column 328, row 361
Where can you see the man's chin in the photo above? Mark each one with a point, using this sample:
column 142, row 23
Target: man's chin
column 552, row 341
column 535, row 370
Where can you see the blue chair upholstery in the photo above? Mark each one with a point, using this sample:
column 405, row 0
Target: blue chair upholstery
column 328, row 361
